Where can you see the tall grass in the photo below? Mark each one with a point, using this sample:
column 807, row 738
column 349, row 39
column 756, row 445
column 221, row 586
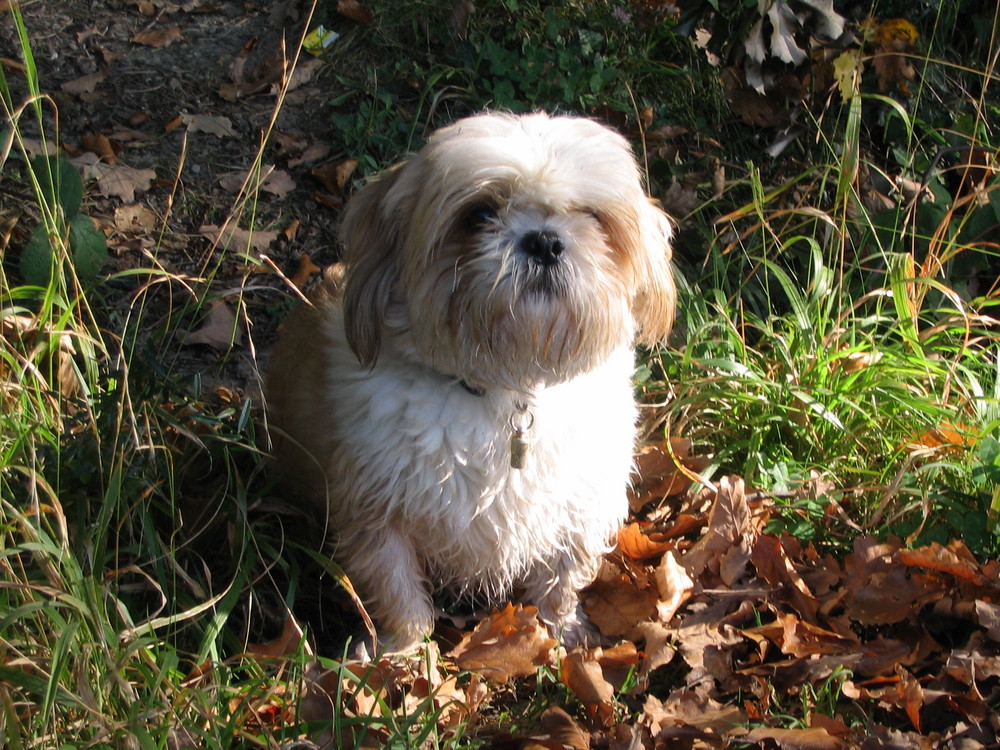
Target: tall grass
column 834, row 343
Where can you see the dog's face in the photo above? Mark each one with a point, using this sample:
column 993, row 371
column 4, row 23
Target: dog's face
column 510, row 252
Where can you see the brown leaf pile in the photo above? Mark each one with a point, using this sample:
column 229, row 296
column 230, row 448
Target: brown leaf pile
column 720, row 634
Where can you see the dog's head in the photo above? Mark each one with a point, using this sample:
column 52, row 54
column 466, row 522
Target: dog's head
column 511, row 251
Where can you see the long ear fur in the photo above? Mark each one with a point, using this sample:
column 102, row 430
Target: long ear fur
column 371, row 235
column 656, row 295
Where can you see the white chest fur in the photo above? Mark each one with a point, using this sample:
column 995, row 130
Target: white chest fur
column 418, row 452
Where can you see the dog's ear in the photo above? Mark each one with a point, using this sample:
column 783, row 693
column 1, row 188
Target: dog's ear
column 656, row 292
column 371, row 232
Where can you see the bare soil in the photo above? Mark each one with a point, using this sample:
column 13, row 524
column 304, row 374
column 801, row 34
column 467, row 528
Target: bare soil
column 140, row 73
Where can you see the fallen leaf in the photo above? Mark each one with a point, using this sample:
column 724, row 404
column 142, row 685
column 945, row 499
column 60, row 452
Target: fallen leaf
column 268, row 179
column 674, row 586
column 291, row 231
column 145, row 7
column 729, row 528
column 101, row 145
column 658, row 473
column 355, row 11
column 335, row 174
column 911, row 695
column 581, row 673
column 84, row 84
column 304, row 272
column 955, row 560
column 158, row 37
column 658, row 648
column 615, row 604
column 796, row 739
column 286, row 644
column 121, row 181
column 634, row 543
column 561, row 728
column 59, row 360
column 692, row 708
column 278, row 183
column 988, row 615
column 216, row 125
column 878, row 589
column 135, row 218
column 219, row 329
column 774, row 566
column 509, row 643
column 233, row 237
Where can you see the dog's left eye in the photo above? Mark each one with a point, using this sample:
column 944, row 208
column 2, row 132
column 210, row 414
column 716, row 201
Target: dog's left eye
column 479, row 216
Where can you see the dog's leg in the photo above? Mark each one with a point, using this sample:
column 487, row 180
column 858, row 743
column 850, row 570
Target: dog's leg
column 388, row 575
column 554, row 589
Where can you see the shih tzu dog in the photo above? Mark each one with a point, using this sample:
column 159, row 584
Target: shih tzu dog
column 461, row 401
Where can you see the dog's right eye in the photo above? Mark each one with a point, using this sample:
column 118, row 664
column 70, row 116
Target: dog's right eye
column 479, row 216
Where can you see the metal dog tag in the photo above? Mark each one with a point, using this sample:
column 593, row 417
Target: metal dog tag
column 518, row 449
column 520, row 422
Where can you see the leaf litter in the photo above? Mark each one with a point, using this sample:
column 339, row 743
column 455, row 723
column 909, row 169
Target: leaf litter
column 713, row 634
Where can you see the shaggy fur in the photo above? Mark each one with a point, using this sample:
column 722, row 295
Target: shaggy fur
column 496, row 282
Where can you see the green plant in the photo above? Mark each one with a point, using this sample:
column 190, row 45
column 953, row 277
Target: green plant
column 64, row 231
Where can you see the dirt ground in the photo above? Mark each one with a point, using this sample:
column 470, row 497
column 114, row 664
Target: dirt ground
column 186, row 89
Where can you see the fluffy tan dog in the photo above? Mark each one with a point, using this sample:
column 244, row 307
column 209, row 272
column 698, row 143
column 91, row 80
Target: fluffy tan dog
column 462, row 403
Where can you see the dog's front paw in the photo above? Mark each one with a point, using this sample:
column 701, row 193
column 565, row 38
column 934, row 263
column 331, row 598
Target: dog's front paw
column 576, row 630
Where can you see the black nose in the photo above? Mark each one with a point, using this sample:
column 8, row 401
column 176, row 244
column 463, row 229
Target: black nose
column 543, row 247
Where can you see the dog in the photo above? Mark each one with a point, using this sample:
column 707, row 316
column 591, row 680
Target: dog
column 461, row 401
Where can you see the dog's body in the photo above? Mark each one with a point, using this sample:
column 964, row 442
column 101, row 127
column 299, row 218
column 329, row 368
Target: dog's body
column 463, row 401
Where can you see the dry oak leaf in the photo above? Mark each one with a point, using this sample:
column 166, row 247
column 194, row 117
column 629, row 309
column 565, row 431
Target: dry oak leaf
column 114, row 180
column 582, row 674
column 304, row 272
column 335, row 175
column 955, row 560
column 674, row 586
column 232, row 237
column 84, row 84
column 796, row 739
column 216, row 125
column 285, row 644
column 911, row 696
column 690, row 707
column 24, row 329
column 101, row 145
column 798, row 638
column 658, row 474
column 158, row 37
column 135, row 218
column 557, row 731
column 355, row 11
column 509, row 643
column 658, row 646
column 729, row 529
column 879, row 590
column 774, row 566
column 615, row 604
column 274, row 181
column 635, row 544
column 219, row 330
column 988, row 615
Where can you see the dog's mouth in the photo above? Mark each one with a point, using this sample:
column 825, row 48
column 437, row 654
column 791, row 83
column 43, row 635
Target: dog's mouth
column 548, row 282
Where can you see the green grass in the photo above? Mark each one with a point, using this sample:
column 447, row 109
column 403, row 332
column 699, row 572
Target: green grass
column 140, row 549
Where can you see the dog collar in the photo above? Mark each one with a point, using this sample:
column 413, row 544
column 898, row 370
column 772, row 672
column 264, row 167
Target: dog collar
column 472, row 389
